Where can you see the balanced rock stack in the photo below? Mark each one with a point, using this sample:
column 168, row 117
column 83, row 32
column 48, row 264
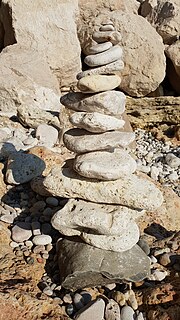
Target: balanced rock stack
column 105, row 195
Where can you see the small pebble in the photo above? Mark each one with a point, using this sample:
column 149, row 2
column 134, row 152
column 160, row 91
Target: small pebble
column 30, row 260
column 49, row 247
column 48, row 291
column 36, row 228
column 87, row 297
column 29, row 244
column 119, row 297
column 158, row 275
column 40, row 260
column 78, row 301
column 127, row 313
column 45, row 256
column 14, row 244
column 67, row 298
column 110, row 286
column 52, row 201
column 160, row 251
column 8, row 218
column 38, row 249
column 69, row 309
column 46, row 228
column 42, row 239
column 144, row 246
column 58, row 300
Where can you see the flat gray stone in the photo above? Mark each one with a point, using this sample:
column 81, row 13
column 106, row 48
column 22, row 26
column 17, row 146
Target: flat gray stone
column 96, row 122
column 82, row 141
column 105, row 165
column 21, row 231
column 79, row 216
column 23, row 167
column 83, row 266
column 132, row 191
column 102, row 36
column 128, row 238
column 93, row 310
column 98, row 83
column 94, row 47
column 110, row 102
column 103, row 58
column 110, row 68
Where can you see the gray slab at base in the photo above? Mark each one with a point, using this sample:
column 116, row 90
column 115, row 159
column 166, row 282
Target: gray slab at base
column 82, row 265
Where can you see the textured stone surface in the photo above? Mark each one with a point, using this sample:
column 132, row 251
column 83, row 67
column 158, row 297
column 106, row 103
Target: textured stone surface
column 143, row 50
column 26, row 79
column 110, row 68
column 164, row 16
column 98, row 83
column 47, row 135
column 128, row 238
column 111, row 102
column 96, row 122
column 50, row 29
column 102, row 267
column 81, row 141
column 112, row 311
column 131, row 191
column 79, row 216
column 105, row 165
column 92, row 310
column 23, row 167
column 173, row 52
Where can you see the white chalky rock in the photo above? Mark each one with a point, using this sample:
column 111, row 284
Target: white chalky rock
column 94, row 48
column 93, row 310
column 77, row 216
column 105, row 57
column 96, row 122
column 105, row 165
column 124, row 242
column 102, row 36
column 42, row 239
column 131, row 191
column 109, row 102
column 110, row 68
column 81, row 141
column 98, row 83
column 47, row 135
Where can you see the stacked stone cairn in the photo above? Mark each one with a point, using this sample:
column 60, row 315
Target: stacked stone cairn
column 105, row 194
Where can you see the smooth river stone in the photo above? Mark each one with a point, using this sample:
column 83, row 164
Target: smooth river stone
column 124, row 242
column 109, row 102
column 78, row 216
column 95, row 122
column 102, row 36
column 98, row 83
column 108, row 56
column 98, row 47
column 103, row 266
column 132, row 191
column 107, row 27
column 107, row 69
column 105, row 165
column 81, row 141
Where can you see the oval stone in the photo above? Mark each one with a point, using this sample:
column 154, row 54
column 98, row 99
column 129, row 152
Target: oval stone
column 98, row 83
column 42, row 240
column 108, row 56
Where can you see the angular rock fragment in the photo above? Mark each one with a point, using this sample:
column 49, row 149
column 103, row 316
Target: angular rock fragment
column 83, row 266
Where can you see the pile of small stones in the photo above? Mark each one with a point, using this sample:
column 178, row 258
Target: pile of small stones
column 160, row 160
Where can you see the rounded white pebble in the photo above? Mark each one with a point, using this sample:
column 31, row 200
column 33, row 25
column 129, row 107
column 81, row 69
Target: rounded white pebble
column 42, row 240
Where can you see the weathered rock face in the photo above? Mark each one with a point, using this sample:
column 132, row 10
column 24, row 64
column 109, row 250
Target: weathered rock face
column 143, row 51
column 49, row 28
column 173, row 52
column 26, row 79
column 102, row 267
column 130, row 191
column 164, row 16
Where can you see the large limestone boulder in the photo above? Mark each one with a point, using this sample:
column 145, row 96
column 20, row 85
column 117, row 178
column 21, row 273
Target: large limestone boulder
column 164, row 16
column 26, row 79
column 50, row 28
column 143, row 51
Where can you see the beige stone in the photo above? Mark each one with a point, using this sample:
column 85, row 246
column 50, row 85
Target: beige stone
column 98, row 83
column 49, row 28
column 103, row 58
column 164, row 16
column 143, row 51
column 131, row 191
column 173, row 52
column 26, row 79
column 81, row 141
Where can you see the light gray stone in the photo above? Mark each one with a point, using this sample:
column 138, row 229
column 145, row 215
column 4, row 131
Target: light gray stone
column 21, row 232
column 105, row 165
column 172, row 160
column 127, row 313
column 110, row 102
column 108, row 56
column 93, row 310
column 95, row 47
column 81, row 141
column 98, row 83
column 79, row 216
column 42, row 240
column 102, row 36
column 22, row 167
column 103, row 266
column 110, row 68
column 8, row 218
column 131, row 191
column 124, row 242
column 112, row 311
column 96, row 122
column 107, row 27
column 47, row 135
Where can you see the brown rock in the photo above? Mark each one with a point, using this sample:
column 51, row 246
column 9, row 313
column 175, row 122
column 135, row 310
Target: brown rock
column 164, row 16
column 142, row 47
column 48, row 27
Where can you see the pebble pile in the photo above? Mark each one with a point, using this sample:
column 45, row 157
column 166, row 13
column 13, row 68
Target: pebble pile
column 105, row 195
